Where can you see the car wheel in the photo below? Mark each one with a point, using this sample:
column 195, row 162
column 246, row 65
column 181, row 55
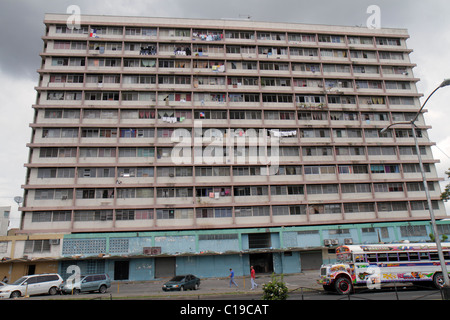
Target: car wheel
column 182, row 288
column 15, row 294
column 102, row 289
column 196, row 286
column 52, row 291
column 76, row 291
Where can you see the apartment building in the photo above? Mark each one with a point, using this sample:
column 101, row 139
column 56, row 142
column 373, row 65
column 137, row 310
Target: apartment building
column 182, row 125
column 4, row 220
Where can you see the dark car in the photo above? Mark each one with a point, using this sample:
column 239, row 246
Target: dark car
column 181, row 283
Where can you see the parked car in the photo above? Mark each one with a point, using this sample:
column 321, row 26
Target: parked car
column 32, row 285
column 182, row 283
column 87, row 283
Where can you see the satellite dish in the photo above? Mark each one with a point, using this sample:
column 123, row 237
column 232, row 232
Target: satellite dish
column 19, row 200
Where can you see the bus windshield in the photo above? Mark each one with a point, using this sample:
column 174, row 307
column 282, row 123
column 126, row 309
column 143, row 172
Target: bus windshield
column 344, row 257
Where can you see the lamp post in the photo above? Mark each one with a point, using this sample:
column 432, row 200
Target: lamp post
column 446, row 285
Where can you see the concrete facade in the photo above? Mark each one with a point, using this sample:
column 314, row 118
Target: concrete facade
column 162, row 146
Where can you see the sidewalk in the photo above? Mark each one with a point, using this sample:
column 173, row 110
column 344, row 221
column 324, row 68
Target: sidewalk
column 209, row 287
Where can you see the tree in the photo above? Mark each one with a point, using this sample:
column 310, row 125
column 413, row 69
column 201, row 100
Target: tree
column 433, row 239
column 446, row 194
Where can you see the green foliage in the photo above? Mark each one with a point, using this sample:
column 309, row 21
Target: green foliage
column 433, row 239
column 446, row 194
column 275, row 289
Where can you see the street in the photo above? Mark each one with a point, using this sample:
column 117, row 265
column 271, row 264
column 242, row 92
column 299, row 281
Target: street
column 301, row 286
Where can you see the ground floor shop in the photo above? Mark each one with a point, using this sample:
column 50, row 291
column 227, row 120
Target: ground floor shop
column 141, row 256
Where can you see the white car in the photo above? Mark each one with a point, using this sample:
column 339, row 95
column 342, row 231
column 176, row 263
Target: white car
column 32, row 285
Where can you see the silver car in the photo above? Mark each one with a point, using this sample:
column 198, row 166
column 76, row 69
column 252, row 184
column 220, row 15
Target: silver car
column 32, row 285
column 87, row 283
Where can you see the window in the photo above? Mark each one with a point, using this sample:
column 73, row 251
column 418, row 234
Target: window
column 37, row 246
column 388, row 41
column 322, row 189
column 317, row 151
column 218, row 237
column 356, row 188
column 314, row 133
column 376, row 168
column 94, row 215
column 252, row 211
column 225, row 212
column 392, row 206
column 289, row 210
column 49, row 216
column 320, row 170
column 358, row 207
column 259, row 240
column 415, row 167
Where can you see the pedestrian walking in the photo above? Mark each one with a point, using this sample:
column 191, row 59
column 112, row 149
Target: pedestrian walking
column 232, row 278
column 252, row 278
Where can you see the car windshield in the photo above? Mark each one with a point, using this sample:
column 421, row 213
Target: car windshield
column 177, row 278
column 18, row 281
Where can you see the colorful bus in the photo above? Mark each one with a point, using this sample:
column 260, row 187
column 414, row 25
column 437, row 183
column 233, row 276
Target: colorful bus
column 375, row 264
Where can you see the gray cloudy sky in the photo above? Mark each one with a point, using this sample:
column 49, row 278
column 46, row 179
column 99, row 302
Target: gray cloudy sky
column 22, row 28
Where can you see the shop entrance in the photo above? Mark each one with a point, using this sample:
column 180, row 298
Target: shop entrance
column 311, row 260
column 164, row 267
column 262, row 262
column 121, row 270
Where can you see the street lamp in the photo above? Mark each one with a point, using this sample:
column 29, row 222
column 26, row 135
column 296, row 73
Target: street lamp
column 445, row 83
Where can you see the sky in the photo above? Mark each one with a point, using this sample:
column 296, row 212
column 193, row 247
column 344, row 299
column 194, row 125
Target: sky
column 22, row 28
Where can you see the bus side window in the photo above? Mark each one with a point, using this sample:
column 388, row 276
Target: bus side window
column 403, row 256
column 393, row 256
column 424, row 256
column 446, row 255
column 414, row 256
column 372, row 257
column 382, row 257
column 434, row 256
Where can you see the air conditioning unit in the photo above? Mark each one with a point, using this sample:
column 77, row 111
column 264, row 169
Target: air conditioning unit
column 54, row 241
column 152, row 250
column 327, row 242
column 348, row 241
column 334, row 242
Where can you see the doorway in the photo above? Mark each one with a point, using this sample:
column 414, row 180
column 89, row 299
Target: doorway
column 121, row 270
column 31, row 269
column 164, row 267
column 262, row 262
column 311, row 260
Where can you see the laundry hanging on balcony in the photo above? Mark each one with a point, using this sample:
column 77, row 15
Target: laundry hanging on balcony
column 93, row 33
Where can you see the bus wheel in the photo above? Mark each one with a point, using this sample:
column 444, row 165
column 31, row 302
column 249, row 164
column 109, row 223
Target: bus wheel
column 343, row 285
column 438, row 280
